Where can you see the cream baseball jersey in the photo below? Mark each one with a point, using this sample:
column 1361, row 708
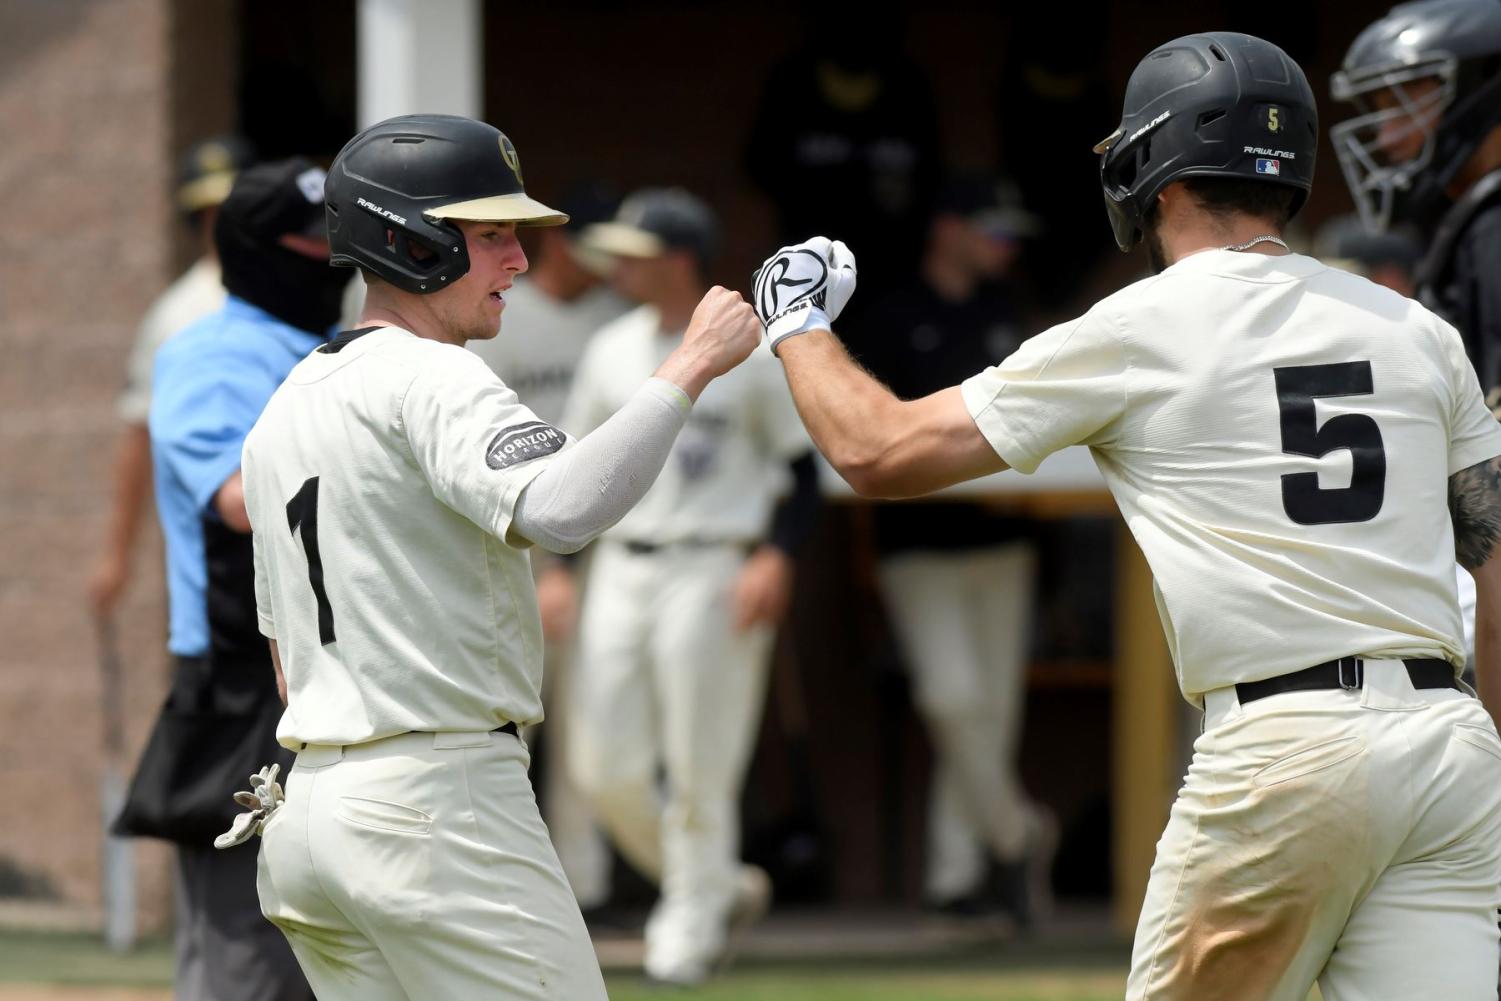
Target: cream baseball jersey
column 381, row 481
column 1279, row 437
column 198, row 292
column 541, row 340
column 728, row 464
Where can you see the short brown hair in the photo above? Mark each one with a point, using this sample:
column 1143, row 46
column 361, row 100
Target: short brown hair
column 1223, row 197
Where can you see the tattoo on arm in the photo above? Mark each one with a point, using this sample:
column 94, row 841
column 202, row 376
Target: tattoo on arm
column 1475, row 508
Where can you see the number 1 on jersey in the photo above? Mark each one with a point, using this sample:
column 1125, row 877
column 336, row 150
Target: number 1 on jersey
column 302, row 512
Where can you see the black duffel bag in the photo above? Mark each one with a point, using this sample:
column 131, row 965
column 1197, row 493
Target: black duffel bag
column 216, row 729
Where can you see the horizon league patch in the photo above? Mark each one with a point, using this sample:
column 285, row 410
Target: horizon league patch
column 523, row 443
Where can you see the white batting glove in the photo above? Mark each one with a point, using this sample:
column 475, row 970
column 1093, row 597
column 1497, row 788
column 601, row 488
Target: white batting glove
column 803, row 287
column 264, row 798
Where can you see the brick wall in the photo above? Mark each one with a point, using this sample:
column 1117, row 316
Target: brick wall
column 84, row 192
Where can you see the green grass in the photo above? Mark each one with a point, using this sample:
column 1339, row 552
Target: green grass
column 34, row 957
column 1049, row 975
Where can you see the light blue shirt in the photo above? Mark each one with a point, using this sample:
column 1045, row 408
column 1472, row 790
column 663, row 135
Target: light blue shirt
column 210, row 384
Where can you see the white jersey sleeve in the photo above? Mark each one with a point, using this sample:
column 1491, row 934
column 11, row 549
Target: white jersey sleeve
column 1066, row 386
column 465, row 427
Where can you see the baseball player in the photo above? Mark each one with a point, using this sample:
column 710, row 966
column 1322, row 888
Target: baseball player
column 395, row 484
column 1426, row 153
column 683, row 597
column 205, row 176
column 1300, row 453
column 957, row 577
column 551, row 312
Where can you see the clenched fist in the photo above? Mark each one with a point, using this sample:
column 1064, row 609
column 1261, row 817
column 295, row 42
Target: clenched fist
column 804, row 287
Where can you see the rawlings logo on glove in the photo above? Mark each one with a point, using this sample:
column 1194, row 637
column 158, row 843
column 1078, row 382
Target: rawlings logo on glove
column 264, row 798
column 803, row 287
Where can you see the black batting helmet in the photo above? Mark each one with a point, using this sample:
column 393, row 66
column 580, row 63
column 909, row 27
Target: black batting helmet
column 394, row 190
column 1457, row 44
column 1216, row 104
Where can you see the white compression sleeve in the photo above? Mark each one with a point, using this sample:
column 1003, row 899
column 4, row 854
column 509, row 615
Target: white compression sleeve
column 592, row 485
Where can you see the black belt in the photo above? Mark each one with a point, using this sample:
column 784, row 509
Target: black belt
column 503, row 728
column 1347, row 673
column 638, row 548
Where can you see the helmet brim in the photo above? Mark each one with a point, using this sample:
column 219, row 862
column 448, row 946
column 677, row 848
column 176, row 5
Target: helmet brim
column 519, row 208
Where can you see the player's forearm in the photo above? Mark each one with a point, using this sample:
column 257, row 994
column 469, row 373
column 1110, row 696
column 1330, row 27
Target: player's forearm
column 1488, row 636
column 229, row 501
column 882, row 446
column 592, row 485
column 132, row 483
column 687, row 368
column 851, row 417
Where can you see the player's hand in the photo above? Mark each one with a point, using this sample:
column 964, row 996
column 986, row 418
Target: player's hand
column 804, row 287
column 558, row 601
column 724, row 330
column 763, row 589
column 106, row 584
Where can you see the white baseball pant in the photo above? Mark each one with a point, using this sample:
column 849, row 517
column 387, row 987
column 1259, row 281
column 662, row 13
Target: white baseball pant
column 417, row 867
column 1351, row 838
column 665, row 681
column 964, row 621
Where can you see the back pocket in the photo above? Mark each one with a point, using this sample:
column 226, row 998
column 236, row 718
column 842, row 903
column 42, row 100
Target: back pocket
column 1307, row 760
column 1482, row 737
column 384, row 816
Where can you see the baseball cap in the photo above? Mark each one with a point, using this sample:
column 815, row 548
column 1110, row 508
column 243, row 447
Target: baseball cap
column 992, row 204
column 277, row 199
column 653, row 221
column 206, row 172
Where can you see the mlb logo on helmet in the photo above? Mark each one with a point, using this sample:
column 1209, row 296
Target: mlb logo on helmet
column 1265, row 165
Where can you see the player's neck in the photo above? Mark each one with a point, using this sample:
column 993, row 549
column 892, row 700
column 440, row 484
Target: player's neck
column 385, row 309
column 1485, row 159
column 1195, row 236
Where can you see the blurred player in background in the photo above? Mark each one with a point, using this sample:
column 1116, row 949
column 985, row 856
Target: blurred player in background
column 1387, row 258
column 396, row 485
column 845, row 139
column 957, row 577
column 684, row 596
column 551, row 312
column 211, row 382
column 205, row 175
column 1425, row 153
column 1299, row 453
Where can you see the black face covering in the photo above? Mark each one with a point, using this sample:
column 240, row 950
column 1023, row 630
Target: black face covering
column 302, row 291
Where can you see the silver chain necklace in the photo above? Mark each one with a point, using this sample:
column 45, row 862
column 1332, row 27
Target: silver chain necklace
column 1268, row 238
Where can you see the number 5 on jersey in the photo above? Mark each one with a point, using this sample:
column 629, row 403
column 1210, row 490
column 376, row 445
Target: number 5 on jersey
column 1303, row 499
column 302, row 512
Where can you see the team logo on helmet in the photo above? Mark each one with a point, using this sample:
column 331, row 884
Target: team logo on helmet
column 508, row 152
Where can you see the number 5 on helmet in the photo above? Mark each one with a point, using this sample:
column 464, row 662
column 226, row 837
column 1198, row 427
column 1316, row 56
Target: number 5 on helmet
column 803, row 287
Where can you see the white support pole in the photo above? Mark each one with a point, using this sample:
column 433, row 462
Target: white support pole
column 420, row 56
